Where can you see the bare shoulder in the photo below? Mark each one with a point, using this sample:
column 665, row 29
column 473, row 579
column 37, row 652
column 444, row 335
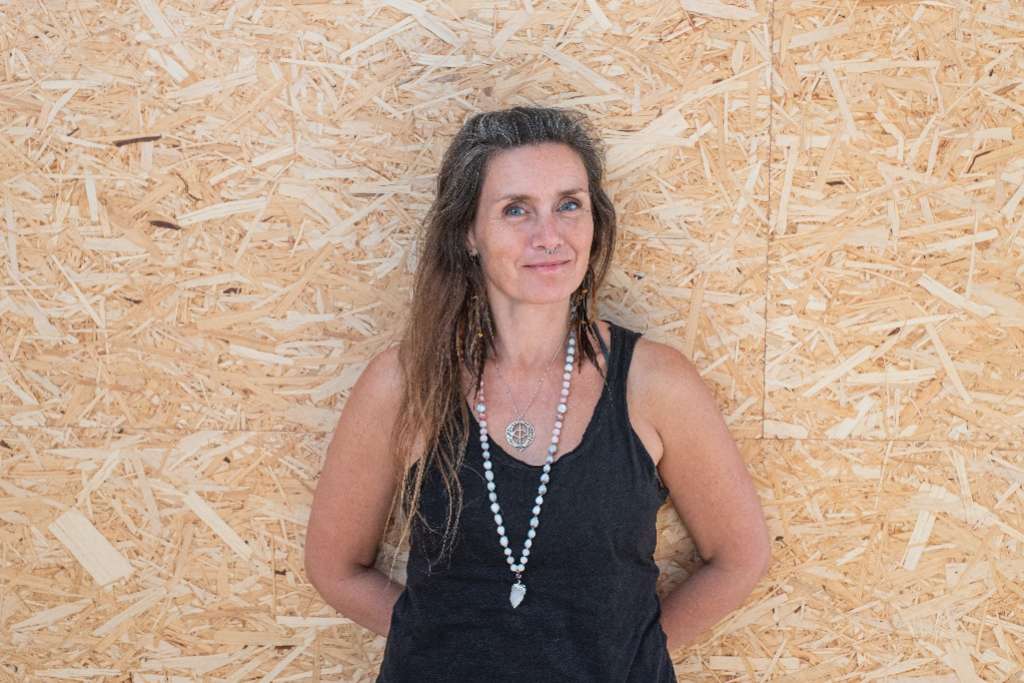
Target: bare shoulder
column 381, row 379
column 377, row 395
column 373, row 402
column 664, row 386
column 659, row 366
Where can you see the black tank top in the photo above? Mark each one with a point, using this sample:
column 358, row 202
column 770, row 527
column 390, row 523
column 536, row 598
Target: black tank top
column 591, row 612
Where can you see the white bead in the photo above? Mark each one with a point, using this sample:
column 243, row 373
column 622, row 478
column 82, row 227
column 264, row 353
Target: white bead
column 483, row 424
column 544, row 478
column 526, row 552
column 562, row 407
column 534, row 522
column 528, row 543
column 501, row 530
column 568, row 367
column 542, row 489
column 509, row 559
column 558, row 431
column 565, row 385
column 490, row 486
column 539, row 500
column 547, row 468
column 536, row 509
column 552, row 449
column 495, row 507
column 565, row 394
column 498, row 520
column 508, row 552
column 503, row 541
column 493, row 496
column 567, row 376
column 531, row 533
column 488, row 474
column 487, row 466
column 481, row 408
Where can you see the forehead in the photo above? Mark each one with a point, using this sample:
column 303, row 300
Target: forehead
column 533, row 170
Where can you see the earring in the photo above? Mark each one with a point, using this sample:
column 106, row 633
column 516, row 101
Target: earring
column 474, row 332
column 583, row 298
column 582, row 311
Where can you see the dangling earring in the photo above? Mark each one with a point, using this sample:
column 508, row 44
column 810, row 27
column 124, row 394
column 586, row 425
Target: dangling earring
column 583, row 298
column 473, row 330
column 582, row 305
column 482, row 332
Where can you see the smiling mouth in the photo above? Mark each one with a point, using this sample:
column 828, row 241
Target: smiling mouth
column 548, row 266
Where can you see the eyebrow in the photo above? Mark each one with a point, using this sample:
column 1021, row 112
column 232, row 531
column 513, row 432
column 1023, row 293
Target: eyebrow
column 519, row 196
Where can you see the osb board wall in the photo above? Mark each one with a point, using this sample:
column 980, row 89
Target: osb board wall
column 210, row 217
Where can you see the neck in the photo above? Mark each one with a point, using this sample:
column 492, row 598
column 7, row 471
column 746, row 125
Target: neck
column 528, row 335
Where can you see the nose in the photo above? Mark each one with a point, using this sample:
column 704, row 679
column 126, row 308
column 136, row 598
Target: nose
column 547, row 236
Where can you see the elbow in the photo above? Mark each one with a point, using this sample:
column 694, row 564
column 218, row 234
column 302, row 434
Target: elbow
column 766, row 559
column 762, row 558
column 757, row 559
column 322, row 569
column 312, row 561
column 761, row 554
column 314, row 574
column 328, row 575
column 748, row 563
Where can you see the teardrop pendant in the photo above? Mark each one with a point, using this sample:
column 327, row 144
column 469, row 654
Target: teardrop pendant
column 517, row 593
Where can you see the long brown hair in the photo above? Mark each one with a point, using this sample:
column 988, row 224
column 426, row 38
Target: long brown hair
column 449, row 325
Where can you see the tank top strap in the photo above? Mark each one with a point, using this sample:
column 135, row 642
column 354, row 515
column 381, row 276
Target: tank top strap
column 619, row 358
column 600, row 340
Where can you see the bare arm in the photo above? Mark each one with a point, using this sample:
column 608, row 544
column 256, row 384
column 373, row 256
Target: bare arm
column 713, row 494
column 351, row 501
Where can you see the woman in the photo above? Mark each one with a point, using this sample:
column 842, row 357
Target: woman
column 531, row 543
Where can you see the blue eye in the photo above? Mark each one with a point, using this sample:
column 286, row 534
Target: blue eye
column 512, row 207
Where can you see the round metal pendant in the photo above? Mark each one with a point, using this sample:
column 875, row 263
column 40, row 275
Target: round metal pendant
column 519, row 434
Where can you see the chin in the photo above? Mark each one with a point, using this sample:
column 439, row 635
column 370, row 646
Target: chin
column 547, row 298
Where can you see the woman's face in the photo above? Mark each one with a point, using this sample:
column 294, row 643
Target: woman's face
column 534, row 198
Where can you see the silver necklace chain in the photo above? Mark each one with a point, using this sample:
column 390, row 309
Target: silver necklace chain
column 518, row 591
column 519, row 432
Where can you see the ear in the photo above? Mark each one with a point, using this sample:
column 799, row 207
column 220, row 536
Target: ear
column 471, row 242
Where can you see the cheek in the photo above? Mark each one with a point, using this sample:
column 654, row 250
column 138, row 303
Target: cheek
column 507, row 244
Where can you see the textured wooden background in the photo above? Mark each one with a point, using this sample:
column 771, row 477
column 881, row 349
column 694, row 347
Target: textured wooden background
column 210, row 217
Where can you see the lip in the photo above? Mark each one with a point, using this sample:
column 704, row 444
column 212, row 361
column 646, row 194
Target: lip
column 548, row 267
